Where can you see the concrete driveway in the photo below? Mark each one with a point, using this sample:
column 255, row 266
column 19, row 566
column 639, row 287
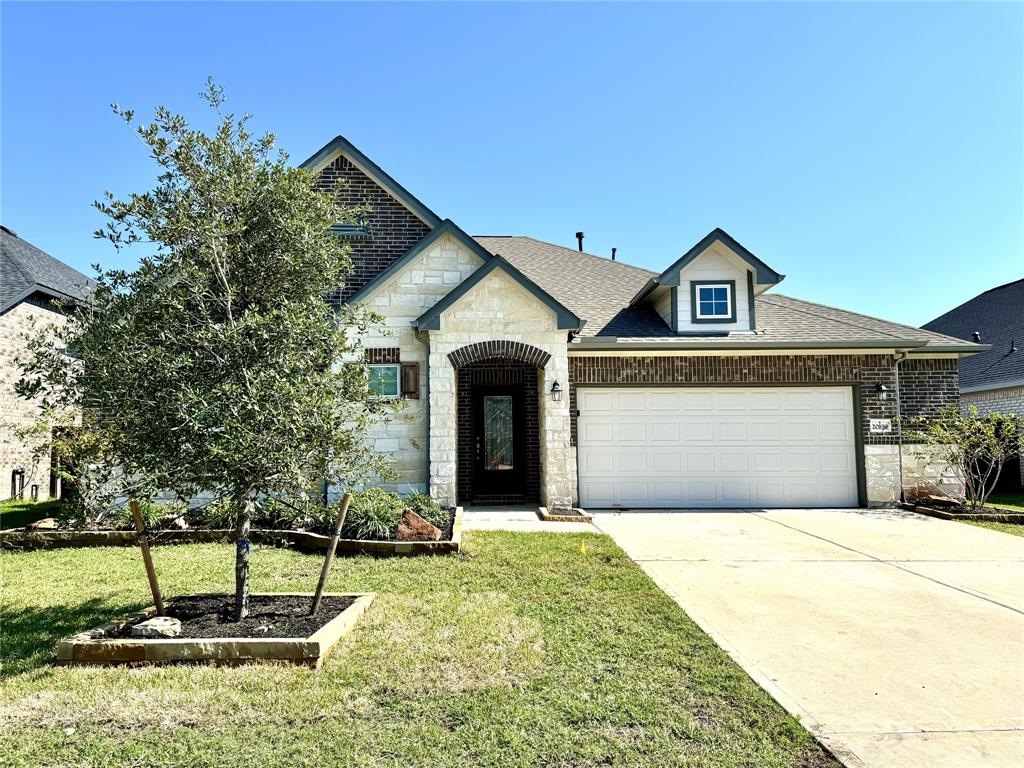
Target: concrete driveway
column 897, row 639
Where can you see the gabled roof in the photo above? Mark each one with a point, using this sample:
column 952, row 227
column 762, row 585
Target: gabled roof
column 595, row 288
column 446, row 227
column 26, row 270
column 431, row 319
column 998, row 317
column 763, row 274
column 599, row 290
column 375, row 172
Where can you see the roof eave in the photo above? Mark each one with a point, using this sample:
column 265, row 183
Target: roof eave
column 609, row 342
column 341, row 144
column 431, row 319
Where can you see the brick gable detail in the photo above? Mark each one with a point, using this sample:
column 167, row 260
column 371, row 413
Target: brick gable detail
column 391, row 228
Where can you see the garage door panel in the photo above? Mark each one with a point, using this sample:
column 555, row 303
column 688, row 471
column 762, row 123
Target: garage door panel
column 725, row 447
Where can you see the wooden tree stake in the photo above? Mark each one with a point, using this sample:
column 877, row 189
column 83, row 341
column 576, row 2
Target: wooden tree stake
column 147, row 557
column 345, row 501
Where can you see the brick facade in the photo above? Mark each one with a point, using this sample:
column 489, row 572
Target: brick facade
column 383, row 355
column 925, row 385
column 390, row 229
column 1005, row 400
column 488, row 372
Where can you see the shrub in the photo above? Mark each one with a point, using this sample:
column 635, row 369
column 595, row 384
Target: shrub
column 153, row 514
column 373, row 514
column 218, row 513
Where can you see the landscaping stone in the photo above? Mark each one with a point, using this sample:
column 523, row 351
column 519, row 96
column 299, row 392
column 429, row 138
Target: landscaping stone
column 46, row 524
column 412, row 527
column 158, row 626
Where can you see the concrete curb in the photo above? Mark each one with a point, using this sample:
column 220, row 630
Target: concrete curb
column 1007, row 517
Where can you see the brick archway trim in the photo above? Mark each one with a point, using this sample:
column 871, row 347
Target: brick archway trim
column 502, row 350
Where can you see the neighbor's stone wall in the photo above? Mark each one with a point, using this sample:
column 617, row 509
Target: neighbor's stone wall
column 15, row 412
column 1006, row 400
column 391, row 229
column 499, row 309
column 926, row 386
column 404, row 297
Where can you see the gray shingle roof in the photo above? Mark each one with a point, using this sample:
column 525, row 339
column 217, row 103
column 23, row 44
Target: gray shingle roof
column 25, row 269
column 998, row 315
column 599, row 290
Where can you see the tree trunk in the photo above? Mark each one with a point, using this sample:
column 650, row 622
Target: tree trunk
column 243, row 518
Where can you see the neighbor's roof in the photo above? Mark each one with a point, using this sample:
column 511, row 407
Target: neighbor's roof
column 599, row 291
column 998, row 315
column 25, row 270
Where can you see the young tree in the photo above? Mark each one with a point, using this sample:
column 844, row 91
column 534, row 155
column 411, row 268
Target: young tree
column 218, row 364
column 974, row 447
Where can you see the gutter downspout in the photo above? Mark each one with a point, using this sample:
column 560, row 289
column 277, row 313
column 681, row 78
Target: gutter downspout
column 899, row 421
column 424, row 337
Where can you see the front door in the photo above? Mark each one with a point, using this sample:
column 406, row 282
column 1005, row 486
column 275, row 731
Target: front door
column 498, row 440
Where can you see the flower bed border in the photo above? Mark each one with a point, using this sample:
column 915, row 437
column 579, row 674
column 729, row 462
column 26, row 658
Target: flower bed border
column 551, row 517
column 96, row 647
column 1008, row 516
column 304, row 541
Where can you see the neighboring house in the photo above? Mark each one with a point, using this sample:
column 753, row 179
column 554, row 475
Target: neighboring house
column 537, row 373
column 30, row 283
column 992, row 380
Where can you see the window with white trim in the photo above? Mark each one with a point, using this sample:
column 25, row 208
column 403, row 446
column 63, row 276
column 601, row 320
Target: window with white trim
column 714, row 301
column 385, row 380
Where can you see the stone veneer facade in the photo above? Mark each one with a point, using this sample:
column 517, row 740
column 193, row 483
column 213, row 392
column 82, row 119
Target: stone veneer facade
column 15, row 412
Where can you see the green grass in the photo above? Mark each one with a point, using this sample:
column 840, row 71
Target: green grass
column 1011, row 501
column 1017, row 529
column 15, row 514
column 525, row 650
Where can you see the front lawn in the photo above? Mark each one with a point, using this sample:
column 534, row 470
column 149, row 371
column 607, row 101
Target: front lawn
column 525, row 650
column 17, row 514
column 1017, row 529
column 1011, row 501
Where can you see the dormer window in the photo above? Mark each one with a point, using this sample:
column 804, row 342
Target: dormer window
column 714, row 301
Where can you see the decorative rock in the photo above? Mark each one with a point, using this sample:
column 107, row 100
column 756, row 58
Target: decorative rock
column 173, row 521
column 158, row 626
column 412, row 527
column 46, row 524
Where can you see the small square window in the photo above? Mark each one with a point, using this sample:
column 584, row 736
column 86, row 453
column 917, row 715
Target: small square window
column 714, row 301
column 385, row 380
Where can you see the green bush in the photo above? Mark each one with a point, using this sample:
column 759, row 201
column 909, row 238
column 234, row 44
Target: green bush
column 373, row 514
column 218, row 513
column 152, row 513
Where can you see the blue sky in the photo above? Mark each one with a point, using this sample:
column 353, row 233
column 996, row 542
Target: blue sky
column 871, row 152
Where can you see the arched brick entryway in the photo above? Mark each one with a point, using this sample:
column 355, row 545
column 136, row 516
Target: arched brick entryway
column 498, row 371
column 499, row 350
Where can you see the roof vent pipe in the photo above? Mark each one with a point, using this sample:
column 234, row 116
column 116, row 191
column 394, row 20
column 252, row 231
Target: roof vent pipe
column 1013, row 345
column 579, row 239
column 977, row 337
column 613, row 253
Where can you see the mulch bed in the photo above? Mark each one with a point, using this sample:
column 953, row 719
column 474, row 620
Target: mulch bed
column 269, row 616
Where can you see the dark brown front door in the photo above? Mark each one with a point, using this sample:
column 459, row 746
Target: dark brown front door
column 498, row 435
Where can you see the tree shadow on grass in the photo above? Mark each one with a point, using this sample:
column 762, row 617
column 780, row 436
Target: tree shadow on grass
column 29, row 635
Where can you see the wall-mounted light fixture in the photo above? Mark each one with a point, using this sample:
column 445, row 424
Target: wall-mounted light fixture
column 556, row 391
column 882, row 390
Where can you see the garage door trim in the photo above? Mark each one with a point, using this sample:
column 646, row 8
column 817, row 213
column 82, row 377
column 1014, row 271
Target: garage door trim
column 854, row 386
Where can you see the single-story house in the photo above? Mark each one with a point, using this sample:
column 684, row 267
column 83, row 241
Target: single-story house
column 993, row 380
column 32, row 283
column 537, row 373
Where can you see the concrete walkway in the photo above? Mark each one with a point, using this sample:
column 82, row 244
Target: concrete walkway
column 897, row 639
column 520, row 518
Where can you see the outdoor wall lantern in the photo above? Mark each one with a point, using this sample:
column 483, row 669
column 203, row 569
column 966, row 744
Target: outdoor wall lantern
column 556, row 392
column 882, row 390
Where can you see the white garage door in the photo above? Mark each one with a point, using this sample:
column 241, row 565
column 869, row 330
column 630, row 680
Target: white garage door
column 717, row 447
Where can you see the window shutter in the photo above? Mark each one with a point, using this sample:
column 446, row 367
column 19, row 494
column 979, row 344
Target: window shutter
column 411, row 380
